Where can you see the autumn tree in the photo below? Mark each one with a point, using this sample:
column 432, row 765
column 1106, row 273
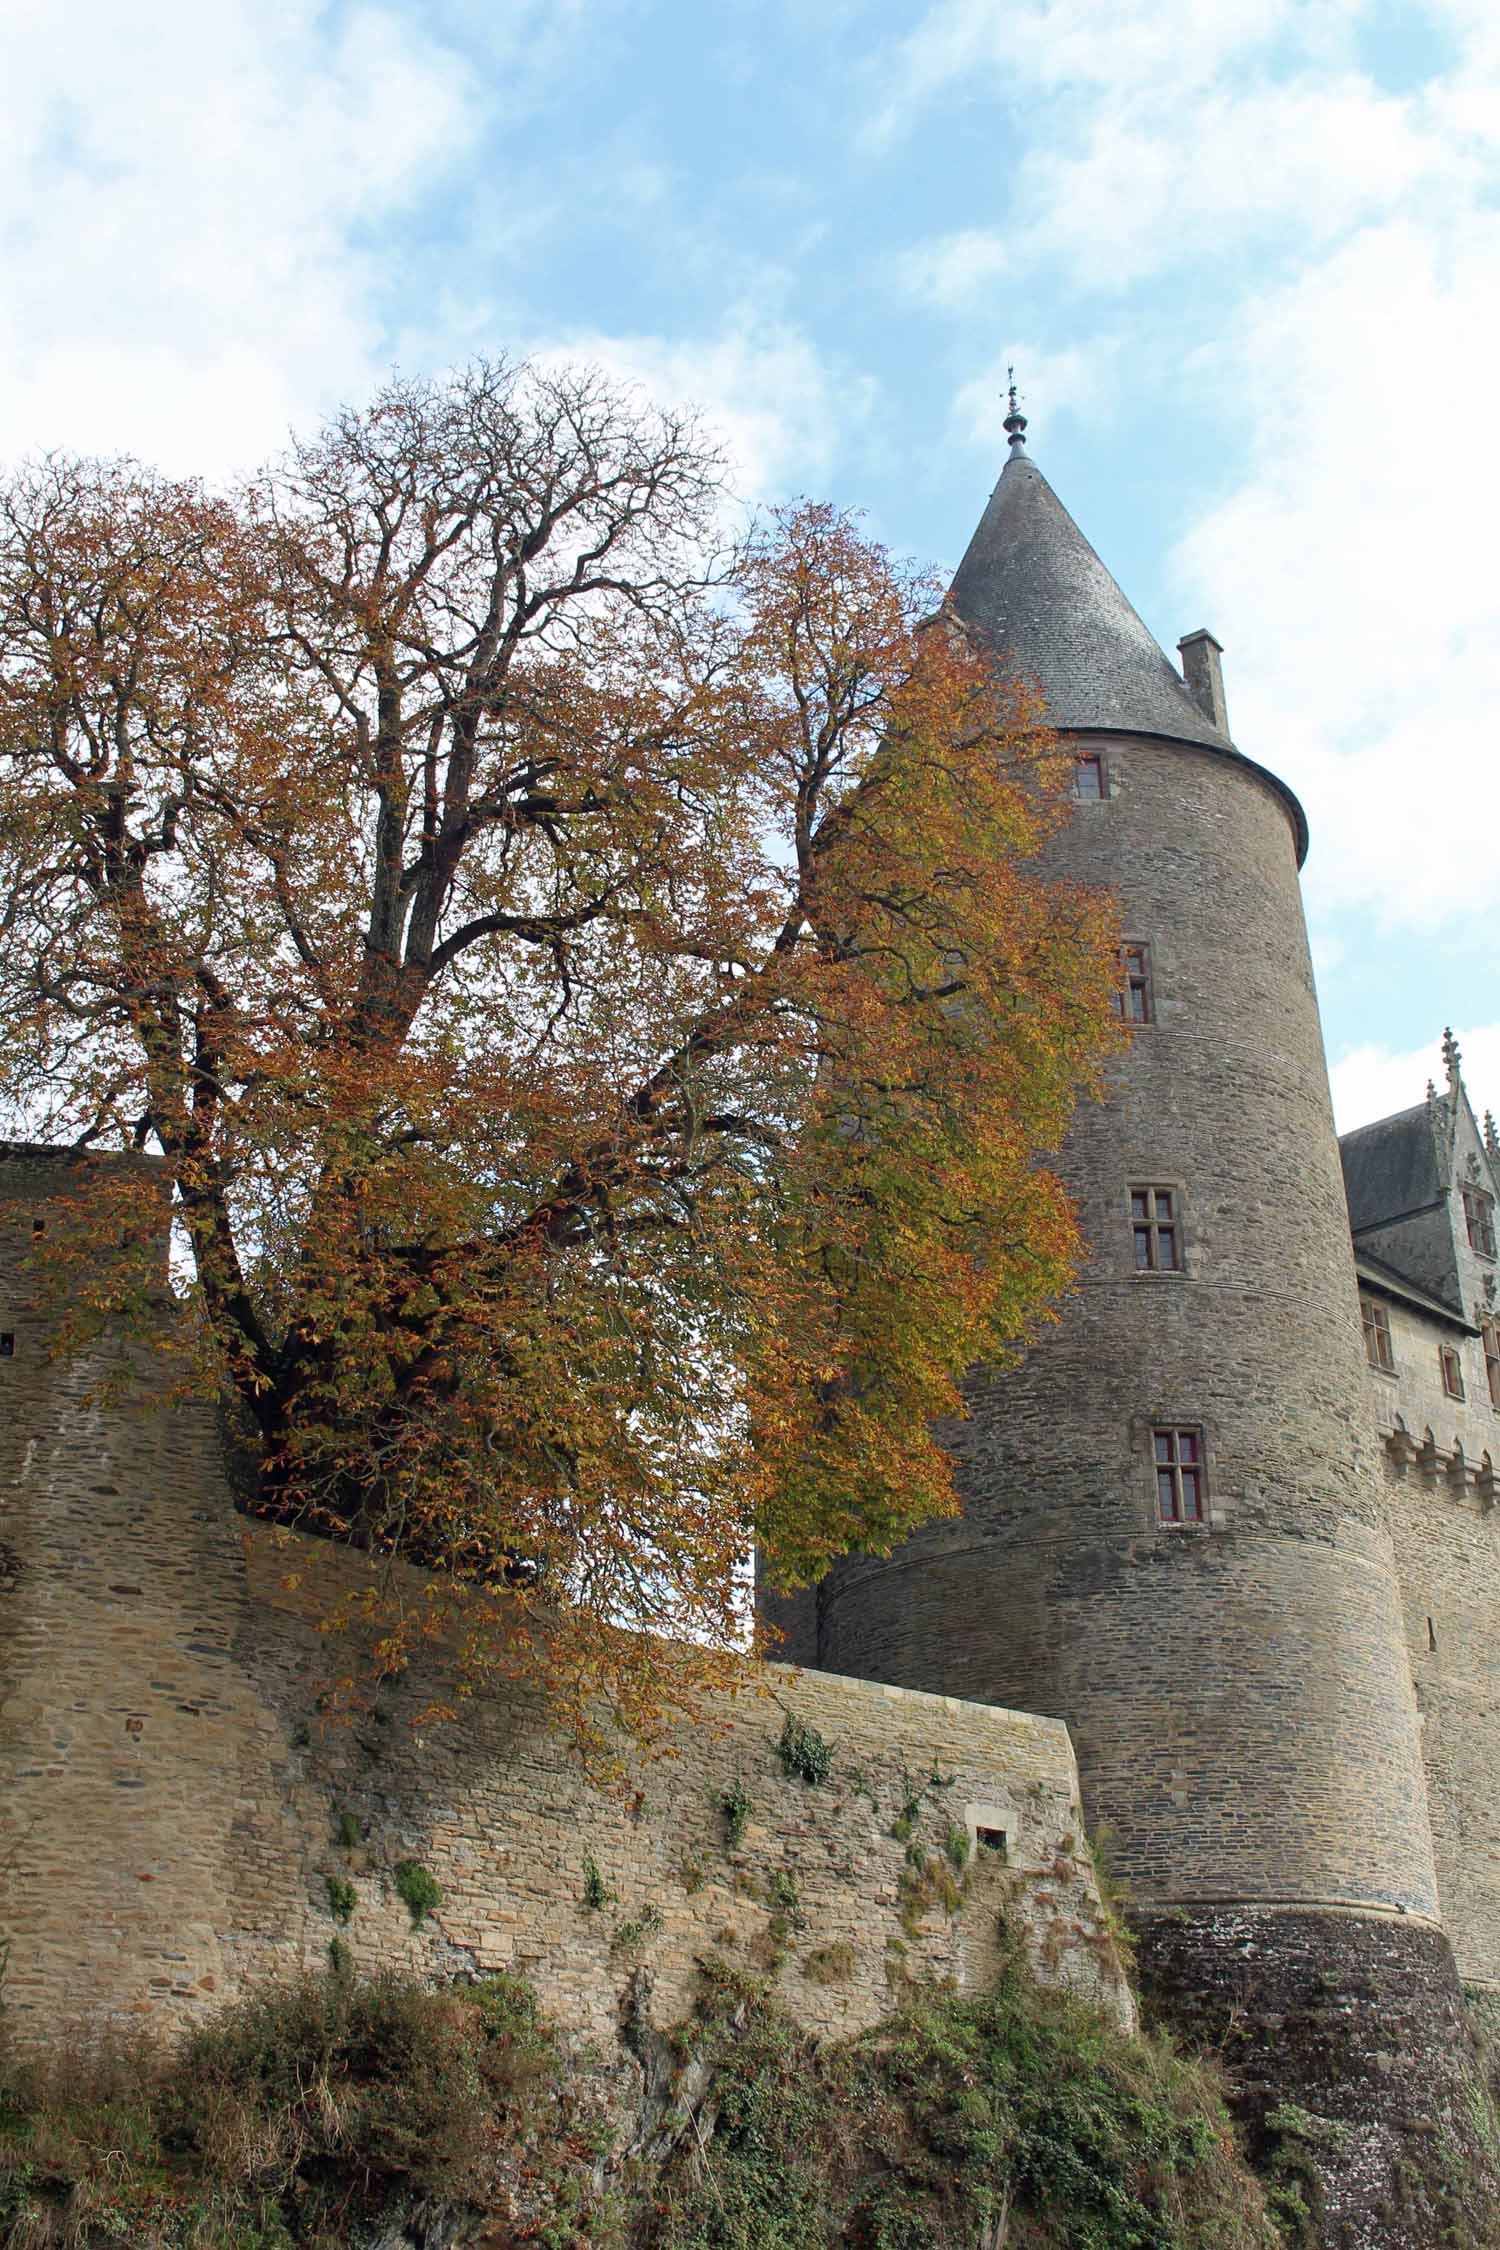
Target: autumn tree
column 592, row 996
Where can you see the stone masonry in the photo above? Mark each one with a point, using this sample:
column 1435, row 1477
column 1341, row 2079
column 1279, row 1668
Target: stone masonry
column 174, row 1807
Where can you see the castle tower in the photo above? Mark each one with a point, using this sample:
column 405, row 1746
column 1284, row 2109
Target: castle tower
column 1172, row 1533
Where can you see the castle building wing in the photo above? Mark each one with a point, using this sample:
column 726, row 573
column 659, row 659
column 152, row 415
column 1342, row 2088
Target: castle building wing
column 1418, row 1186
column 1390, row 1169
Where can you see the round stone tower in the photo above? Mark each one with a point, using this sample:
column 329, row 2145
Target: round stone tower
column 1172, row 1532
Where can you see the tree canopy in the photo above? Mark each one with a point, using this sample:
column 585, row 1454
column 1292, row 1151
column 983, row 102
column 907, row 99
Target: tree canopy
column 591, row 990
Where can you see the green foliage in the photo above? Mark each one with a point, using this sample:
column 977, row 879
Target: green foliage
column 418, row 1889
column 308, row 2115
column 903, row 1827
column 690, row 1876
column 734, row 1804
column 1017, row 2116
column 956, row 1845
column 349, row 1829
column 596, row 1892
column 1114, row 1896
column 924, row 1884
column 342, row 1897
column 340, row 1959
column 631, row 1935
column 785, row 1901
column 804, row 1754
column 321, row 2115
column 830, row 1964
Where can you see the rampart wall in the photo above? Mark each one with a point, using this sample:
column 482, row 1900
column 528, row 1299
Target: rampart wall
column 174, row 1808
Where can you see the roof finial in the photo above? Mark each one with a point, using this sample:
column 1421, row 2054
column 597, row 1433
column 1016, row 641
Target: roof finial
column 1015, row 421
column 1451, row 1056
column 1491, row 1134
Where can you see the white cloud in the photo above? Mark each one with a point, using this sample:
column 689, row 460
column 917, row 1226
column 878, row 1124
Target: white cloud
column 1154, row 134
column 1077, row 378
column 1351, row 571
column 953, row 270
column 1343, row 243
column 1174, row 47
column 1373, row 1081
column 765, row 393
column 1150, row 182
column 192, row 200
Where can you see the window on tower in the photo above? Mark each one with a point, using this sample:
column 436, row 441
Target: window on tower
column 1179, row 1475
column 1155, row 1219
column 1376, row 1322
column 1453, row 1371
column 1090, row 782
column 1479, row 1217
column 1133, row 1000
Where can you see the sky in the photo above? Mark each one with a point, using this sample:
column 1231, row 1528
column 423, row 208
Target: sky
column 1244, row 256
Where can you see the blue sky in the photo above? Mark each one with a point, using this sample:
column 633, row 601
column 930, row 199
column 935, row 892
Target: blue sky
column 1244, row 253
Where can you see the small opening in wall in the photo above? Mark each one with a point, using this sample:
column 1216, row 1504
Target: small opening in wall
column 1431, row 1635
column 7, row 1345
column 38, row 1228
column 991, row 1840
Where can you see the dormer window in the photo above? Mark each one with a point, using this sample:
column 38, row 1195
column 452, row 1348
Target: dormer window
column 1090, row 783
column 1479, row 1217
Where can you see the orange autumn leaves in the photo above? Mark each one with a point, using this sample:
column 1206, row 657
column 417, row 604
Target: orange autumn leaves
column 594, row 998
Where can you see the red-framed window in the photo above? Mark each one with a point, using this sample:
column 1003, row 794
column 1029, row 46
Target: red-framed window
column 1134, row 1000
column 1090, row 778
column 1452, row 1371
column 1479, row 1217
column 1491, row 1332
column 1155, row 1221
column 1376, row 1322
column 1179, row 1474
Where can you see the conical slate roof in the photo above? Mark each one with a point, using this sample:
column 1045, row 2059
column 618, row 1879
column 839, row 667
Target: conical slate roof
column 1032, row 586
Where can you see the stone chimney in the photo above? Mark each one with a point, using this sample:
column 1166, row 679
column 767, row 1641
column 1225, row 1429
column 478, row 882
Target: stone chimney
column 1204, row 674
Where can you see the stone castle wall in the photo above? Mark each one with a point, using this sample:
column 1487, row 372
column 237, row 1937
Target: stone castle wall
column 1448, row 1555
column 173, row 1807
column 1412, row 1396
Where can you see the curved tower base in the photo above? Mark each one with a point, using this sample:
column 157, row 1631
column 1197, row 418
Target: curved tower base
column 1353, row 2071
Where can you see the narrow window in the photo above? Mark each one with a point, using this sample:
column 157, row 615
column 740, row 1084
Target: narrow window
column 1179, row 1475
column 7, row 1345
column 1377, row 1326
column 38, row 1229
column 1479, row 1217
column 1492, row 1359
column 1453, row 1372
column 1133, row 999
column 1088, row 779
column 1154, row 1223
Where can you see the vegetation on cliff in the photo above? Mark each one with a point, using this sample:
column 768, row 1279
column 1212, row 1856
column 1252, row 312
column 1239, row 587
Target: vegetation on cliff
column 590, row 994
column 344, row 2112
